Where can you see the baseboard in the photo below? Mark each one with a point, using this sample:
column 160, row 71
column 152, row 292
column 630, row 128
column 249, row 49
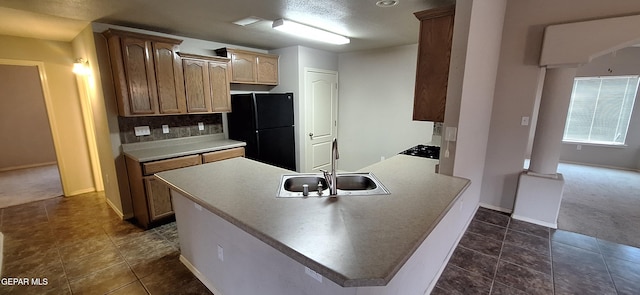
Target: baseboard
column 601, row 166
column 116, row 210
column 433, row 283
column 535, row 221
column 199, row 275
column 496, row 208
column 27, row 166
column 80, row 192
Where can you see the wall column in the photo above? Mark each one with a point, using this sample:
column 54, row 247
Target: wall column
column 552, row 117
column 540, row 188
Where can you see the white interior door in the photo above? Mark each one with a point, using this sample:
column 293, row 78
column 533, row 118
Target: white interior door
column 321, row 95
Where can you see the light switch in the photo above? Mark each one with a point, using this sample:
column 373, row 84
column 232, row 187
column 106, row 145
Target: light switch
column 525, row 121
column 142, row 130
column 200, row 126
column 165, row 128
column 450, row 133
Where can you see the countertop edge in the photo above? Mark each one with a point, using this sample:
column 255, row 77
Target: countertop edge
column 131, row 154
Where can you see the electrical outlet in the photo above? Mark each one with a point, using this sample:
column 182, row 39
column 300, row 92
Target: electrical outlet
column 200, row 126
column 220, row 253
column 142, row 130
column 165, row 129
column 313, row 274
column 524, row 121
column 579, row 147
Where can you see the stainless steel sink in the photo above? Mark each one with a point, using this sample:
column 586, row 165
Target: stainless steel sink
column 291, row 185
column 295, row 184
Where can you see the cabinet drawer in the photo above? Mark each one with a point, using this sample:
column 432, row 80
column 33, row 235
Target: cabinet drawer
column 223, row 155
column 175, row 163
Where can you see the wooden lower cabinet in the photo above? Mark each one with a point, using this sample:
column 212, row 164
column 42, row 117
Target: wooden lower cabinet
column 158, row 198
column 151, row 197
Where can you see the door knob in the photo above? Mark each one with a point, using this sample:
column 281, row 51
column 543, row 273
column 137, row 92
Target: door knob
column 311, row 135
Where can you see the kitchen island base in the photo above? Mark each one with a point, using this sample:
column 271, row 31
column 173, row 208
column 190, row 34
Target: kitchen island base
column 230, row 261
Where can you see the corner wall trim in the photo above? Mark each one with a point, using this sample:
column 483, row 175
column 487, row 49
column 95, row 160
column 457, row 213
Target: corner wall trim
column 535, row 221
column 199, row 275
column 496, row 208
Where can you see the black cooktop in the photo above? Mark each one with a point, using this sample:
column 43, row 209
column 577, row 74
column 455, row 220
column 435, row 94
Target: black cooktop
column 425, row 151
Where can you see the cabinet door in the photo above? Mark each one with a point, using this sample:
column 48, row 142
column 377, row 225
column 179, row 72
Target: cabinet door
column 219, row 83
column 267, row 68
column 158, row 198
column 169, row 79
column 432, row 74
column 243, row 67
column 196, row 82
column 141, row 80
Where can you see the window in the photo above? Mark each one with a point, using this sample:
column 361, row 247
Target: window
column 600, row 109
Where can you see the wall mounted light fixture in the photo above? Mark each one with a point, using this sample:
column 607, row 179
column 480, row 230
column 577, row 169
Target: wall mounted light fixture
column 308, row 32
column 81, row 67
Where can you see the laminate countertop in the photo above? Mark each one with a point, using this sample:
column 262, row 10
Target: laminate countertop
column 171, row 148
column 352, row 240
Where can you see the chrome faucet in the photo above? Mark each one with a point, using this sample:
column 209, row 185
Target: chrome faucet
column 330, row 177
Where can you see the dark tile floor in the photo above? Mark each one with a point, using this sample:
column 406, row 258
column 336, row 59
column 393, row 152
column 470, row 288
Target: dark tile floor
column 82, row 247
column 500, row 255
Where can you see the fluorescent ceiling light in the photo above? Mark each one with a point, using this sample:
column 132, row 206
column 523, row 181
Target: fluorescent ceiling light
column 308, row 32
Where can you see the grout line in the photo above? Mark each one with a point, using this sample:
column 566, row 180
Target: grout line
column 495, row 273
column 57, row 245
column 606, row 264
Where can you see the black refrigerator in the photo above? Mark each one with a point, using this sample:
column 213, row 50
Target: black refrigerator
column 265, row 122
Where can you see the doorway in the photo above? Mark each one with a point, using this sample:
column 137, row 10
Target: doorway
column 28, row 164
column 321, row 113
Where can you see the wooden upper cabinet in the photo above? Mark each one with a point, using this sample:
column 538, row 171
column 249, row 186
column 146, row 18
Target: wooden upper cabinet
column 169, row 78
column 434, row 54
column 244, row 67
column 140, row 77
column 196, row 83
column 219, row 82
column 206, row 83
column 147, row 74
column 267, row 69
column 251, row 67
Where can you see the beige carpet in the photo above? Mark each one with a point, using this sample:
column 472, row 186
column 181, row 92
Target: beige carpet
column 28, row 185
column 601, row 202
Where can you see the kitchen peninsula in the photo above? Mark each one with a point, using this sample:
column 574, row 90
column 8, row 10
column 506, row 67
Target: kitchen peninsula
column 238, row 238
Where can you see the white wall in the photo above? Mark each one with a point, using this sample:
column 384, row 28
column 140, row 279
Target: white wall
column 375, row 108
column 622, row 62
column 25, row 133
column 517, row 84
column 477, row 91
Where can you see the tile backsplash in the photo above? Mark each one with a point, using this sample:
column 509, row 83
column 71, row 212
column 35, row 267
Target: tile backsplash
column 179, row 126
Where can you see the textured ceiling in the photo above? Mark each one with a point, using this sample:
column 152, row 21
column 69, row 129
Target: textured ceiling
column 367, row 25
